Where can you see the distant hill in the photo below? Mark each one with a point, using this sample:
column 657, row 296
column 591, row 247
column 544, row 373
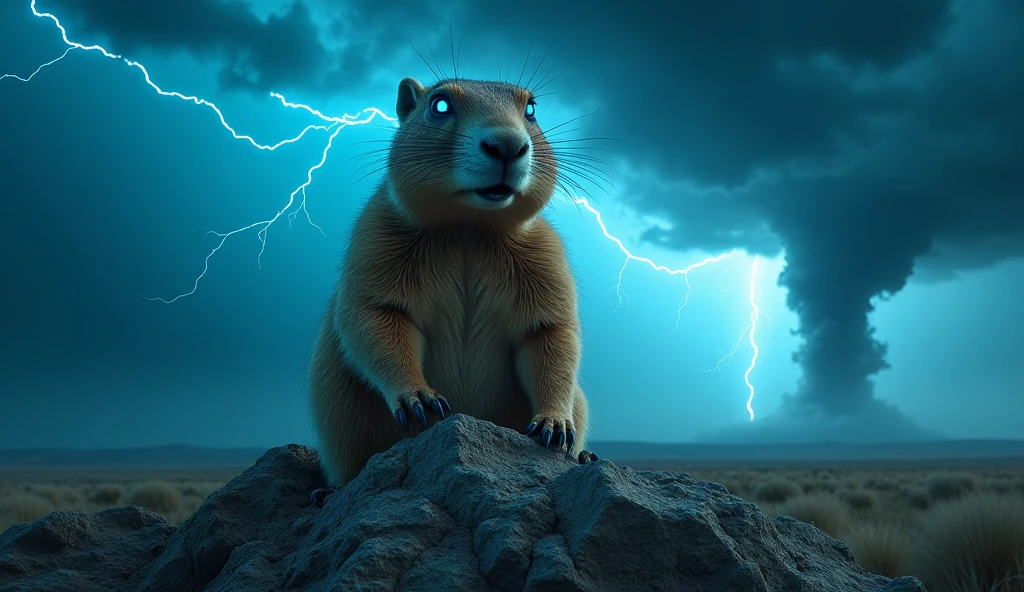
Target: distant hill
column 938, row 453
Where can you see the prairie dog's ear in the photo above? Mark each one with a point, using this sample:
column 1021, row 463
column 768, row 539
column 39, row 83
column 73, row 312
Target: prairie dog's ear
column 409, row 93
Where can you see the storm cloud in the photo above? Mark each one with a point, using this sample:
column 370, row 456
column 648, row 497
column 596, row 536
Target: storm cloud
column 864, row 140
column 282, row 50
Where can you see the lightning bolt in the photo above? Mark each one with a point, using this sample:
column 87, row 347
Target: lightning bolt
column 685, row 272
column 755, row 313
column 330, row 123
column 334, row 125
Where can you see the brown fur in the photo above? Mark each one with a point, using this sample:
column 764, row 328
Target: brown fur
column 441, row 298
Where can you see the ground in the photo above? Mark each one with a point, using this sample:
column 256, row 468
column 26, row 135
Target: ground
column 958, row 528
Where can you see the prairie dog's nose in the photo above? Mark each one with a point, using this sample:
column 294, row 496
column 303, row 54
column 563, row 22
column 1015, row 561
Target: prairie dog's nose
column 505, row 146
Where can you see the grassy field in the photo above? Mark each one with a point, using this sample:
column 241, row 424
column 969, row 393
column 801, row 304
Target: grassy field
column 957, row 530
column 27, row 495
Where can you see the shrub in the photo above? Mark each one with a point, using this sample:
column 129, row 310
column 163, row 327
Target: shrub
column 949, row 486
column 917, row 497
column 776, row 491
column 971, row 543
column 880, row 547
column 202, row 489
column 110, row 494
column 823, row 510
column 160, row 497
column 1000, row 486
column 23, row 507
column 735, row 486
column 860, row 499
column 58, row 495
column 879, row 484
column 829, row 485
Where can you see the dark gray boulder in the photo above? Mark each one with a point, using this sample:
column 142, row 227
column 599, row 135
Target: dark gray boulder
column 73, row 551
column 466, row 505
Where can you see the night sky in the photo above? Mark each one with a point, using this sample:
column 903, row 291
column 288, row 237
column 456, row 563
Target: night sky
column 869, row 153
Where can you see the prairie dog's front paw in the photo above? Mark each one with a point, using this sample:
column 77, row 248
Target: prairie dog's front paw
column 413, row 402
column 550, row 426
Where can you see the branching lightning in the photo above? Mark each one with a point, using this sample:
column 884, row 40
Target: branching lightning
column 656, row 267
column 333, row 126
column 330, row 123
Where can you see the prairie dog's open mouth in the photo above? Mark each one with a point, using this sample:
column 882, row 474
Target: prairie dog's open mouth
column 499, row 192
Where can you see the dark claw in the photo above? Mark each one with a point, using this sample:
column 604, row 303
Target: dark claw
column 437, row 408
column 444, row 402
column 561, row 438
column 402, row 419
column 571, row 440
column 319, row 495
column 417, row 409
column 586, row 456
column 547, row 437
column 531, row 428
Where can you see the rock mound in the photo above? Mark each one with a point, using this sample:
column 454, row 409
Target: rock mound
column 466, row 505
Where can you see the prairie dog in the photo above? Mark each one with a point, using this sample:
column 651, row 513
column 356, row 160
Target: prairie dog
column 455, row 294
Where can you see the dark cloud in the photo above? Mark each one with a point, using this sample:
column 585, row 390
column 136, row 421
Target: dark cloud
column 280, row 52
column 322, row 47
column 862, row 138
column 858, row 137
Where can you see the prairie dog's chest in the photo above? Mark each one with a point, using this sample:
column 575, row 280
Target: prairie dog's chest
column 466, row 290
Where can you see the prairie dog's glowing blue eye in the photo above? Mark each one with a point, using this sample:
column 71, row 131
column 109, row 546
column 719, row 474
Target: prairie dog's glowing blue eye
column 441, row 106
column 531, row 109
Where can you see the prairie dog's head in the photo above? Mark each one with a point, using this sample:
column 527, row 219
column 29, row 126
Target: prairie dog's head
column 469, row 150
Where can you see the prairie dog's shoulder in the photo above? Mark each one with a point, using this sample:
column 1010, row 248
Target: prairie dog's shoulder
column 541, row 248
column 543, row 278
column 542, row 235
column 381, row 245
column 380, row 226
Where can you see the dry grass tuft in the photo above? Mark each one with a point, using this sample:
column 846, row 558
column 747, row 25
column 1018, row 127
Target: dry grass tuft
column 971, row 543
column 23, row 507
column 1000, row 486
column 776, row 491
column 950, row 486
column 823, row 510
column 829, row 485
column 175, row 496
column 916, row 497
column 860, row 499
column 158, row 496
column 735, row 487
column 109, row 494
column 879, row 484
column 60, row 496
column 880, row 547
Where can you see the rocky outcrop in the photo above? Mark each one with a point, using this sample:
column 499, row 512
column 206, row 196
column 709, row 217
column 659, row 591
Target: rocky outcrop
column 466, row 505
